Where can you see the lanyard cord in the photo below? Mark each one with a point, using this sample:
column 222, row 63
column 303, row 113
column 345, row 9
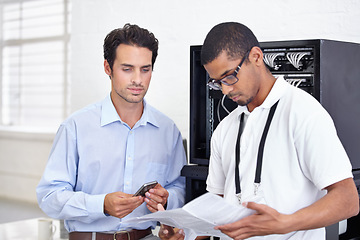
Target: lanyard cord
column 237, row 155
column 260, row 150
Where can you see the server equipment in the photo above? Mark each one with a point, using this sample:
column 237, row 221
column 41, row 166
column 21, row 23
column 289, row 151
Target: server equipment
column 328, row 70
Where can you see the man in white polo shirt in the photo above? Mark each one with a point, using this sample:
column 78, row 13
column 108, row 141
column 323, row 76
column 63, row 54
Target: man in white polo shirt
column 278, row 153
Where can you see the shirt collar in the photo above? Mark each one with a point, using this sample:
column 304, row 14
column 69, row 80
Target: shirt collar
column 148, row 116
column 278, row 90
column 110, row 115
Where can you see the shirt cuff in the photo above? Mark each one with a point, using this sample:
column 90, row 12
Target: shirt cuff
column 174, row 200
column 95, row 205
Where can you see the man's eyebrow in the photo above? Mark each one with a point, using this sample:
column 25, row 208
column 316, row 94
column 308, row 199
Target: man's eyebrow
column 130, row 65
column 127, row 65
column 147, row 66
column 223, row 75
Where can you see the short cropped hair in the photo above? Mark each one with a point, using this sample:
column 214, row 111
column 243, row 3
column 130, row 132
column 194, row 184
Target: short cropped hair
column 129, row 35
column 232, row 37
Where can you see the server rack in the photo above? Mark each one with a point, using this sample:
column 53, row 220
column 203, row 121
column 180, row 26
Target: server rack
column 328, row 70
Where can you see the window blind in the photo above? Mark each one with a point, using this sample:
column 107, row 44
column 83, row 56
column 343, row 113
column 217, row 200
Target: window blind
column 34, row 62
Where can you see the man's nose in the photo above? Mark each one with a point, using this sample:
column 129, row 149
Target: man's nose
column 226, row 89
column 136, row 78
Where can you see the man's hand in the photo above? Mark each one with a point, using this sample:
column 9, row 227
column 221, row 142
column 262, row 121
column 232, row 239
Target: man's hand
column 265, row 221
column 154, row 196
column 119, row 204
column 167, row 232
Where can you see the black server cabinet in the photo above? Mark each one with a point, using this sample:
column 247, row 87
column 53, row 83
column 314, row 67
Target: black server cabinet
column 329, row 70
column 207, row 108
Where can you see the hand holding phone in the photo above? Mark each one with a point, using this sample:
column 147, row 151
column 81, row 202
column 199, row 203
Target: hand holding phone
column 144, row 188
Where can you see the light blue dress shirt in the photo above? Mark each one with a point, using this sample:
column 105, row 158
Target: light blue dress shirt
column 95, row 153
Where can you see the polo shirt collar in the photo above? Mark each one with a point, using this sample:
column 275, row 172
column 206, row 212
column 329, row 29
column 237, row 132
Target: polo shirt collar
column 278, row 90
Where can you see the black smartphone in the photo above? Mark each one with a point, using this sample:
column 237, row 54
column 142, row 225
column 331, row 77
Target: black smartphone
column 144, row 188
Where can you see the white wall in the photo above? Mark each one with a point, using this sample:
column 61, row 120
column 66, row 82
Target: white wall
column 177, row 24
column 22, row 161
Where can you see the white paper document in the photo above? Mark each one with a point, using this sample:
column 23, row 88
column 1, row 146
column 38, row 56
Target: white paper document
column 199, row 217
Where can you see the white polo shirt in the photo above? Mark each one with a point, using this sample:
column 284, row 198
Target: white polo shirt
column 302, row 154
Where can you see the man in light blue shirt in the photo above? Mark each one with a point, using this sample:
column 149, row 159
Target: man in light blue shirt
column 103, row 153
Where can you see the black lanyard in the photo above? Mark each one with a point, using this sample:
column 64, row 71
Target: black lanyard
column 260, row 150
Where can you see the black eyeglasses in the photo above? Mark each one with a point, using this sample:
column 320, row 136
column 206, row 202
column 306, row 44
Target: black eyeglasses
column 228, row 80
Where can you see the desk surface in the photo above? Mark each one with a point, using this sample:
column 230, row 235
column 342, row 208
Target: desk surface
column 25, row 230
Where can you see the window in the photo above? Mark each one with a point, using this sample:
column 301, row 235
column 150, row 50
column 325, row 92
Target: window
column 34, row 62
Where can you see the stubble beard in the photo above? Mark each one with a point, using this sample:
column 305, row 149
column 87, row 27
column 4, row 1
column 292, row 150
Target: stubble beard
column 241, row 102
column 244, row 103
column 129, row 97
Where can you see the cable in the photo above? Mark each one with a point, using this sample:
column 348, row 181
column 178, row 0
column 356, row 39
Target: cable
column 269, row 59
column 218, row 111
column 295, row 81
column 298, row 83
column 221, row 102
column 295, row 57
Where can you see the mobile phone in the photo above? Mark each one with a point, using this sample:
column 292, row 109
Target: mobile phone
column 144, row 188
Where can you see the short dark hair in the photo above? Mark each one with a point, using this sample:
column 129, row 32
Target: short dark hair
column 129, row 35
column 234, row 38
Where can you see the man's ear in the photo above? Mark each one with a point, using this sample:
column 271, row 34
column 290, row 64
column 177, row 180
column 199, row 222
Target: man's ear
column 107, row 68
column 256, row 55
